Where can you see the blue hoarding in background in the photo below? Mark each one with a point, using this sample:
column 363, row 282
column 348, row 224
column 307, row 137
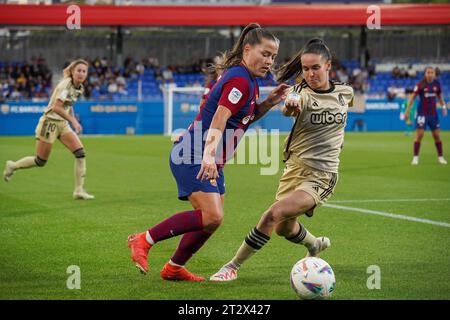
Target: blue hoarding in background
column 147, row 117
column 105, row 117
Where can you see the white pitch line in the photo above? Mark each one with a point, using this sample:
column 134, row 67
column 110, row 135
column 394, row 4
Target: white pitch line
column 389, row 200
column 389, row 215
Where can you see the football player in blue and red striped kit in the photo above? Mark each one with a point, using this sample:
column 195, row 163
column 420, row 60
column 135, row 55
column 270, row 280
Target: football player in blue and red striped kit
column 428, row 90
column 197, row 163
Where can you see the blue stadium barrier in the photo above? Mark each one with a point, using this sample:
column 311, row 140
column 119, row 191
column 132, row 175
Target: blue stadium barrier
column 147, row 117
column 97, row 117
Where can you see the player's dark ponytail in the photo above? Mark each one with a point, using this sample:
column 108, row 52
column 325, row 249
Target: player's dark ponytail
column 293, row 68
column 319, row 47
column 252, row 34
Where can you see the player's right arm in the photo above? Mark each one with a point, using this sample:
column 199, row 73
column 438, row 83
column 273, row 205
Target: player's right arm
column 208, row 169
column 235, row 93
column 410, row 102
column 58, row 108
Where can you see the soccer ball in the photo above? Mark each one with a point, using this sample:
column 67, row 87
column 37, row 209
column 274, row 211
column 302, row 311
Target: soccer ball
column 313, row 278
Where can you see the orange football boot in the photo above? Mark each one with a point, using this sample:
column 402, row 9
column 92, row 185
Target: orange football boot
column 139, row 251
column 174, row 273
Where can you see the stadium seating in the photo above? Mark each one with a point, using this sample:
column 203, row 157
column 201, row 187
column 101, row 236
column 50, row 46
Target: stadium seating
column 151, row 83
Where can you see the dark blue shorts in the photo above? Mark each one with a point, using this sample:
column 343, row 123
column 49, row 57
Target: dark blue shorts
column 186, row 177
column 431, row 121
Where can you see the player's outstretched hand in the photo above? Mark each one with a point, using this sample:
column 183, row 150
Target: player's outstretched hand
column 278, row 94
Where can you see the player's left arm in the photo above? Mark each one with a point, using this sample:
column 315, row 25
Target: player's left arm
column 275, row 97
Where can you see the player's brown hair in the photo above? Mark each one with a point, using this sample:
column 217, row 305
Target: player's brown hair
column 293, row 68
column 424, row 79
column 252, row 34
column 67, row 72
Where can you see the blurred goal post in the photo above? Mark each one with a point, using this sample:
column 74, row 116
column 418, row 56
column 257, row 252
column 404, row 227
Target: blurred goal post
column 169, row 99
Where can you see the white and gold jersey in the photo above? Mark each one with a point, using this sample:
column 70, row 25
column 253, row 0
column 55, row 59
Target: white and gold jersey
column 318, row 133
column 66, row 92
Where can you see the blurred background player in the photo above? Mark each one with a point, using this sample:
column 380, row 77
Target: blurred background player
column 409, row 126
column 311, row 154
column 54, row 124
column 231, row 105
column 212, row 72
column 428, row 90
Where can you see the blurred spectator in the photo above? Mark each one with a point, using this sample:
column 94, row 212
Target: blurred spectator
column 411, row 71
column 112, row 88
column 359, row 80
column 167, row 74
column 342, row 75
column 395, row 92
column 437, row 71
column 396, row 72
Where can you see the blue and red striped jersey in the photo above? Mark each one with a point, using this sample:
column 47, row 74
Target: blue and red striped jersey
column 428, row 94
column 237, row 90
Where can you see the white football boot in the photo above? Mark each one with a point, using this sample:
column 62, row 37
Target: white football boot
column 415, row 161
column 226, row 273
column 9, row 170
column 441, row 160
column 82, row 195
column 320, row 244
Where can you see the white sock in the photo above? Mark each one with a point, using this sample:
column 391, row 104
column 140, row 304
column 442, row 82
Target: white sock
column 27, row 162
column 174, row 264
column 149, row 238
column 80, row 173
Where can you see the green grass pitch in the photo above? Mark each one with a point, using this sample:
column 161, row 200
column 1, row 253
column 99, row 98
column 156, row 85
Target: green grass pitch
column 43, row 231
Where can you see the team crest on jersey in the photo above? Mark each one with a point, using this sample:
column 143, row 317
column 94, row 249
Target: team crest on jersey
column 234, row 96
column 341, row 99
column 247, row 119
column 213, row 182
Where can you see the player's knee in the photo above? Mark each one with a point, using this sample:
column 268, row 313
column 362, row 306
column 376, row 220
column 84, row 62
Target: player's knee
column 79, row 153
column 272, row 215
column 280, row 230
column 39, row 161
column 213, row 220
